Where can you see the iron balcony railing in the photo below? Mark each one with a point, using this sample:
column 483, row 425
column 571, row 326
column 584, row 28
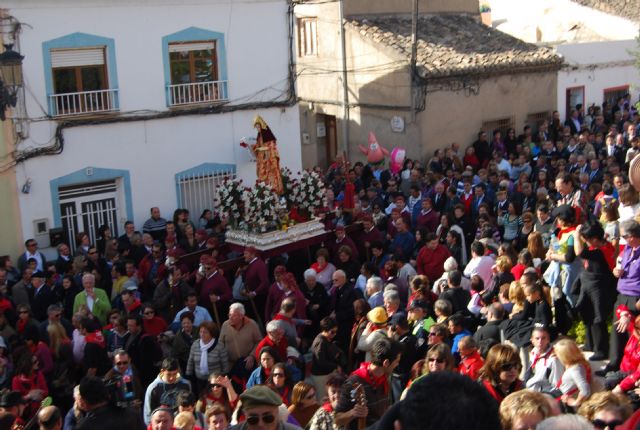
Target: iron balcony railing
column 197, row 92
column 84, row 102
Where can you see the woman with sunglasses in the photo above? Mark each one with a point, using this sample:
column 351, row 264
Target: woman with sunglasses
column 499, row 375
column 280, row 381
column 439, row 359
column 303, row 403
column 628, row 288
column 220, row 390
column 606, row 410
column 438, row 334
column 153, row 324
column 25, row 319
column 30, row 382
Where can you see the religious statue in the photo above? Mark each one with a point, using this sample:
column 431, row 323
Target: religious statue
column 267, row 158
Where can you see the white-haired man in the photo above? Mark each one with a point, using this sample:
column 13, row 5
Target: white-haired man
column 95, row 299
column 240, row 335
column 275, row 339
column 374, row 292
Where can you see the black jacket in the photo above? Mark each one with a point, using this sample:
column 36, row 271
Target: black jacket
column 108, row 418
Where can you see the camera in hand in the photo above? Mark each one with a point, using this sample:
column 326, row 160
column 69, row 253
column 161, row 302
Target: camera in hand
column 121, row 392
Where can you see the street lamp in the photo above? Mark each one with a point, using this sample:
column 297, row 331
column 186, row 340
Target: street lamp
column 10, row 78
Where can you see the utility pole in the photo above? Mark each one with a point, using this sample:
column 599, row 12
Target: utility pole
column 414, row 57
column 345, row 88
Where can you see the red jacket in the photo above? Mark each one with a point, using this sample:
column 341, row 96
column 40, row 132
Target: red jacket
column 280, row 348
column 431, row 262
column 630, row 362
column 471, row 365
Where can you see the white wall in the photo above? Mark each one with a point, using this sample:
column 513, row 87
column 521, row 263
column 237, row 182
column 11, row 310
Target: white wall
column 597, row 66
column 154, row 151
column 558, row 21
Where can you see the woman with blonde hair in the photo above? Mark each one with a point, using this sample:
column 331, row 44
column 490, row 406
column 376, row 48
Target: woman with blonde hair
column 606, row 409
column 499, row 375
column 574, row 386
column 501, row 275
column 59, row 342
column 184, row 421
column 517, row 297
column 524, row 410
column 303, row 403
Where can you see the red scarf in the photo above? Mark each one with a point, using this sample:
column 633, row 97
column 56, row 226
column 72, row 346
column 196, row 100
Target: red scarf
column 608, row 254
column 284, row 395
column 565, row 230
column 375, row 381
column 318, row 268
column 284, row 318
column 136, row 304
column 21, row 325
column 327, row 407
column 97, row 338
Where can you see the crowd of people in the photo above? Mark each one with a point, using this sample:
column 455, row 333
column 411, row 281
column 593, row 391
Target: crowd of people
column 460, row 292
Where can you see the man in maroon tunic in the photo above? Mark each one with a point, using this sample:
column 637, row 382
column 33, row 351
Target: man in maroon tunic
column 276, row 293
column 256, row 279
column 342, row 240
column 213, row 289
column 427, row 217
column 369, row 235
column 431, row 258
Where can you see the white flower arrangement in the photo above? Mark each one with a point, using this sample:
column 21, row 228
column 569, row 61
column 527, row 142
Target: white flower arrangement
column 256, row 208
column 230, row 200
column 261, row 207
column 309, row 192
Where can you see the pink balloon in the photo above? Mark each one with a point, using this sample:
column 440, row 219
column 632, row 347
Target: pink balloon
column 397, row 158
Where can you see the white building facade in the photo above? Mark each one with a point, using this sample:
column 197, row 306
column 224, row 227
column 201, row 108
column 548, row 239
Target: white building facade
column 145, row 104
column 597, row 47
column 595, row 72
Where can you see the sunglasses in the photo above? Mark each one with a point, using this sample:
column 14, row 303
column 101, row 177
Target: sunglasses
column 509, row 366
column 278, row 375
column 601, row 424
column 433, row 334
column 437, row 360
column 215, row 386
column 255, row 419
column 122, row 363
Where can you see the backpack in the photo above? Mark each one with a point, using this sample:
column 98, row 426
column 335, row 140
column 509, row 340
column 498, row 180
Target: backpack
column 169, row 397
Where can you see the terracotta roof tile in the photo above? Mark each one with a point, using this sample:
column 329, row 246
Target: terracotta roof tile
column 450, row 45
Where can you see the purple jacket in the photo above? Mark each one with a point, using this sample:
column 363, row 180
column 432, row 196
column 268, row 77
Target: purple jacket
column 629, row 282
